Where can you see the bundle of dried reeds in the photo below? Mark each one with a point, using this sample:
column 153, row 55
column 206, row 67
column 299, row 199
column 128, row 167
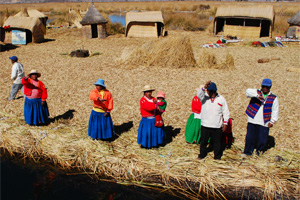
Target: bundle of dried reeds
column 174, row 52
column 209, row 60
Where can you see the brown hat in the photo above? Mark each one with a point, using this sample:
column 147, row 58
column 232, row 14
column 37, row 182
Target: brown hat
column 34, row 72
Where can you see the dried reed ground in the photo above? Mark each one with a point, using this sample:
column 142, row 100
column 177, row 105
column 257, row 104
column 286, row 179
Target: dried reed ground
column 69, row 81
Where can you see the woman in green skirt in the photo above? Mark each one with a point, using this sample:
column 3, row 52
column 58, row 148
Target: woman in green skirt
column 193, row 125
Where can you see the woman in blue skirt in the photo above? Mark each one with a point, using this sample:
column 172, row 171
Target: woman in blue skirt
column 35, row 108
column 100, row 124
column 148, row 134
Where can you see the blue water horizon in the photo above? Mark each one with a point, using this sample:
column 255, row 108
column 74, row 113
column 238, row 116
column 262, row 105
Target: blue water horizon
column 117, row 19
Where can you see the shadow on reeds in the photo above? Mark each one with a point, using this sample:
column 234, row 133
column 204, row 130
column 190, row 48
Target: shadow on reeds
column 171, row 133
column 7, row 47
column 67, row 115
column 20, row 97
column 48, row 40
column 44, row 180
column 120, row 129
column 270, row 143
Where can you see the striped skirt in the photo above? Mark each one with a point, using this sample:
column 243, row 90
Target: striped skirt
column 193, row 130
column 34, row 112
column 149, row 135
column 100, row 127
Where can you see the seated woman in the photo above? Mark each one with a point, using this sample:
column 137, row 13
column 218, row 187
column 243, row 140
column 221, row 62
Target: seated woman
column 100, row 124
column 148, row 134
column 35, row 108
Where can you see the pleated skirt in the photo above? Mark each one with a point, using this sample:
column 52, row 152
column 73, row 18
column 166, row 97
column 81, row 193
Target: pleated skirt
column 149, row 135
column 193, row 130
column 100, row 127
column 34, row 112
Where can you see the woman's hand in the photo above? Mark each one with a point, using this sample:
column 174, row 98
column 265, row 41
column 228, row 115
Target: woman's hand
column 43, row 103
column 102, row 100
column 106, row 114
column 224, row 127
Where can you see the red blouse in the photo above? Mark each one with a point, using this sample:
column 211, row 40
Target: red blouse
column 147, row 107
column 196, row 105
column 28, row 86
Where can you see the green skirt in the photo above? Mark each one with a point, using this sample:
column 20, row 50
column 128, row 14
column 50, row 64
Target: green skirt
column 193, row 130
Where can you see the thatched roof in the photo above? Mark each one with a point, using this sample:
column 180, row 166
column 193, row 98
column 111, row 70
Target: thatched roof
column 93, row 17
column 30, row 13
column 253, row 11
column 31, row 23
column 295, row 20
column 149, row 16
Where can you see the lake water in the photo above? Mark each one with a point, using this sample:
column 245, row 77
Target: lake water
column 117, row 19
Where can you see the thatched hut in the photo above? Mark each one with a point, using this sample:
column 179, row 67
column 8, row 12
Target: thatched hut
column 294, row 28
column 97, row 23
column 33, row 13
column 244, row 21
column 32, row 27
column 144, row 24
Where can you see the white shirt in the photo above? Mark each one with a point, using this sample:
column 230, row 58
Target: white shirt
column 213, row 113
column 17, row 73
column 259, row 117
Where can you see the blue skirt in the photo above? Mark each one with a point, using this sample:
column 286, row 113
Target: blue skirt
column 149, row 135
column 100, row 127
column 34, row 112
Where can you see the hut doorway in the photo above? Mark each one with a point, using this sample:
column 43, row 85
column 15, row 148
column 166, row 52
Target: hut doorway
column 94, row 30
column 28, row 36
column 265, row 28
column 160, row 28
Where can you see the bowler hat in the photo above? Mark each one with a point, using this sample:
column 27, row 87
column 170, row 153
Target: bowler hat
column 100, row 82
column 14, row 58
column 266, row 82
column 212, row 87
column 147, row 88
column 34, row 72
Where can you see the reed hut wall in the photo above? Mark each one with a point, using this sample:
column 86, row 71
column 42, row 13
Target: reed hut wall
column 142, row 29
column 29, row 36
column 102, row 31
column 94, row 31
column 244, row 21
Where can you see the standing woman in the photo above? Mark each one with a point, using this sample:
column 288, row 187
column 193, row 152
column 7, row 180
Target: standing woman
column 148, row 134
column 100, row 124
column 35, row 108
column 193, row 126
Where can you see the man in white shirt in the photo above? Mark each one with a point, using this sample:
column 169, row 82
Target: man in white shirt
column 214, row 119
column 17, row 74
column 262, row 113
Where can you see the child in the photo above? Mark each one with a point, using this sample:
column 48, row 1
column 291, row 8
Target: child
column 193, row 125
column 161, row 104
